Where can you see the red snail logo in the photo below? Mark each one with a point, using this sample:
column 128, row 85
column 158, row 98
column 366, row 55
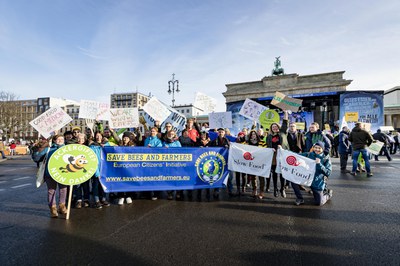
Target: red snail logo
column 291, row 160
column 247, row 156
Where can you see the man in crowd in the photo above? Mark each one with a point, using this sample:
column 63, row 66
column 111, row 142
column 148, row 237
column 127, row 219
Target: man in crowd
column 360, row 140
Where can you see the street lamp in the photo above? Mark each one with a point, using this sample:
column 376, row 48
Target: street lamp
column 173, row 82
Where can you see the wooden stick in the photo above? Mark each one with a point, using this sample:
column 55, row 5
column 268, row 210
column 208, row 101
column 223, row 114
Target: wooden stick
column 69, row 201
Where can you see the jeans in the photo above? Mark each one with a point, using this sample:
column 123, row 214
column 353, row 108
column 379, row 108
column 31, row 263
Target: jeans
column 365, row 156
column 319, row 197
column 97, row 189
column 51, row 191
column 385, row 152
column 2, row 154
column 230, row 181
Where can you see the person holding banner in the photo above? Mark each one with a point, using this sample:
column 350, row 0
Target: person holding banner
column 322, row 171
column 255, row 140
column 203, row 142
column 82, row 191
column 153, row 142
column 344, row 149
column 171, row 141
column 220, row 141
column 58, row 142
column 98, row 192
column 193, row 129
column 241, row 139
column 277, row 137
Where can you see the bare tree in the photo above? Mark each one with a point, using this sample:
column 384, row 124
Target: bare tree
column 10, row 113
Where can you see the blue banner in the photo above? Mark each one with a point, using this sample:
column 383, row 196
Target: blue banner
column 126, row 169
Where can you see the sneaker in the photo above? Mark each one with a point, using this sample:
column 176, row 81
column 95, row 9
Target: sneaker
column 78, row 204
column 98, row 205
column 276, row 193
column 121, row 201
column 283, row 193
column 369, row 174
column 330, row 192
column 353, row 173
column 86, row 203
column 105, row 203
column 299, row 202
column 128, row 200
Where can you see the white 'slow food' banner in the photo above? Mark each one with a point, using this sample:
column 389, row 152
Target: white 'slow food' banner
column 249, row 159
column 296, row 168
column 51, row 120
column 123, row 117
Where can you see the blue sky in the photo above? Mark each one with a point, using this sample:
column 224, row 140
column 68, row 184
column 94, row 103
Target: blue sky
column 88, row 49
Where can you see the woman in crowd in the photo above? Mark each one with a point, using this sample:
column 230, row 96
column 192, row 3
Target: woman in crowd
column 185, row 140
column 82, row 191
column 275, row 138
column 323, row 170
column 203, row 142
column 128, row 140
column 153, row 142
column 255, row 140
column 98, row 192
column 171, row 141
column 58, row 142
column 220, row 141
column 241, row 139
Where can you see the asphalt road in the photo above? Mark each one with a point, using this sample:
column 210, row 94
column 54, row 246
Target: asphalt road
column 359, row 226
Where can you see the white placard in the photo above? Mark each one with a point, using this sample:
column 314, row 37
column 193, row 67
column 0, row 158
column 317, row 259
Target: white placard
column 94, row 110
column 252, row 110
column 177, row 120
column 220, row 119
column 51, row 120
column 205, row 102
column 123, row 117
column 156, row 109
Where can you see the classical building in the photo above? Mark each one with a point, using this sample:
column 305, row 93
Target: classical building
column 128, row 100
column 320, row 93
column 392, row 107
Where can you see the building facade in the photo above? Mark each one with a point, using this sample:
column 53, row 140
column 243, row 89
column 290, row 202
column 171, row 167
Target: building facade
column 392, row 107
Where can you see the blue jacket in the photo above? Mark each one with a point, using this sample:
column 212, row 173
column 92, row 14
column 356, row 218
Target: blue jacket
column 344, row 143
column 51, row 150
column 174, row 144
column 324, row 168
column 153, row 142
column 96, row 147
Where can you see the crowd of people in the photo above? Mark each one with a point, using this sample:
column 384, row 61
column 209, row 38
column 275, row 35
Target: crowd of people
column 314, row 144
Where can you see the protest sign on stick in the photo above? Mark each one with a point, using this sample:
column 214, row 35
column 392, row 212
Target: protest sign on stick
column 252, row 110
column 220, row 119
column 123, row 118
column 51, row 120
column 285, row 102
column 156, row 109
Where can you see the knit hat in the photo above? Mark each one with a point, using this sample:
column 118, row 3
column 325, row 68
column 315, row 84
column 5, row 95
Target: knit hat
column 127, row 134
column 320, row 143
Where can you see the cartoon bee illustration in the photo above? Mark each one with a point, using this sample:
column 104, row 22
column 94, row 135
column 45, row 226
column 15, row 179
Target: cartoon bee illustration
column 74, row 163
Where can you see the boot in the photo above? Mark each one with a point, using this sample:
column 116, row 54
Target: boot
column 62, row 209
column 53, row 211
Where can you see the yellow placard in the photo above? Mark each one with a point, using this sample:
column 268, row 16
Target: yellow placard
column 300, row 125
column 268, row 117
column 327, row 127
column 351, row 116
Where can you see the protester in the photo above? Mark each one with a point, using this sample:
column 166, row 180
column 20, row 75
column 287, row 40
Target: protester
column 193, row 129
column 360, row 139
column 153, row 142
column 82, row 191
column 313, row 135
column 97, row 190
column 203, row 142
column 275, row 138
column 241, row 139
column 382, row 137
column 171, row 141
column 58, row 142
column 323, row 170
column 128, row 140
column 185, row 140
column 220, row 141
column 396, row 142
column 344, row 149
column 2, row 149
column 255, row 140
column 13, row 146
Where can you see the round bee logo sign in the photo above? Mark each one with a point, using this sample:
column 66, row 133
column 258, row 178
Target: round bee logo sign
column 72, row 164
column 210, row 167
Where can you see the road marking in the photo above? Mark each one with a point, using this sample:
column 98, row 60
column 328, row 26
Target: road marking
column 9, row 170
column 1, row 182
column 23, row 185
column 20, row 178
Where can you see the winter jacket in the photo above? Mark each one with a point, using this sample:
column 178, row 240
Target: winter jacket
column 360, row 138
column 97, row 148
column 344, row 143
column 312, row 138
column 152, row 142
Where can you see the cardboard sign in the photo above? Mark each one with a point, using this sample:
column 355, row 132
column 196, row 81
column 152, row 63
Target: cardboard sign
column 351, row 116
column 375, row 147
column 285, row 102
column 252, row 110
column 123, row 117
column 269, row 117
column 156, row 109
column 94, row 110
column 51, row 120
column 73, row 164
column 220, row 119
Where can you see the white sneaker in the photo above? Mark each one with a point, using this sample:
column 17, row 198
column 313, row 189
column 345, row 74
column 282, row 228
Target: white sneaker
column 128, row 200
column 121, row 201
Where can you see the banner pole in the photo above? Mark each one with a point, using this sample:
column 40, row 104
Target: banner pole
column 71, row 187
